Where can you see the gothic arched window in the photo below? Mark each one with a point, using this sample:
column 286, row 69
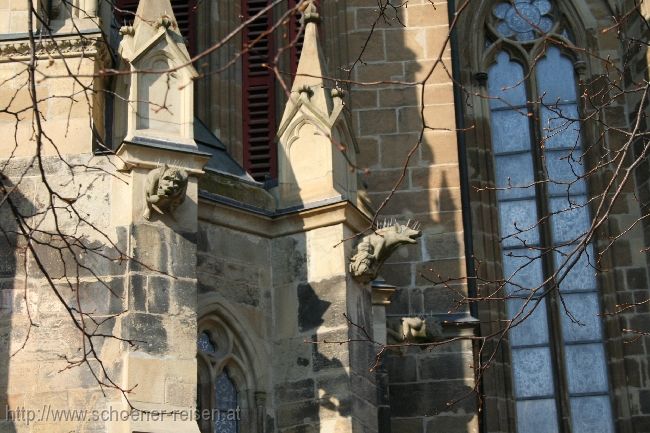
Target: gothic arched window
column 560, row 377
column 221, row 399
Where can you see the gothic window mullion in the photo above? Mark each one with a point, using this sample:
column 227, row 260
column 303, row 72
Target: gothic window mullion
column 546, row 251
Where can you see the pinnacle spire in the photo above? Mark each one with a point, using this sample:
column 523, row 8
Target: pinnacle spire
column 150, row 16
column 311, row 66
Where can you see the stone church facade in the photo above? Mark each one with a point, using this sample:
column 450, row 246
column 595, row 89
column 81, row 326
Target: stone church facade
column 189, row 239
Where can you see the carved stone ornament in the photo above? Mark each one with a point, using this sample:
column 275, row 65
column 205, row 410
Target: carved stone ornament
column 414, row 330
column 374, row 249
column 165, row 190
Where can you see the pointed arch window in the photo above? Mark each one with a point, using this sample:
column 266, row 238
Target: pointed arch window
column 221, row 380
column 560, row 379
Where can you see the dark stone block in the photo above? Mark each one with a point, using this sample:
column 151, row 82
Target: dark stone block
column 401, row 368
column 448, row 424
column 298, row 413
column 407, row 425
column 185, row 293
column 430, row 399
column 399, row 303
column 137, row 292
column 148, row 331
column 441, row 367
column 295, row 391
column 158, row 294
column 644, row 399
column 637, row 279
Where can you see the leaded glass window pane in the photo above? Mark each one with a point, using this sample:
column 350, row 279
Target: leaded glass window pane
column 533, row 373
column 555, row 77
column 518, row 223
column 531, row 327
column 515, row 176
column 537, row 416
column 570, row 220
column 226, row 404
column 591, row 415
column 586, row 369
column 523, row 272
column 561, row 127
column 583, row 324
column 205, row 344
column 582, row 275
column 506, row 83
column 511, row 131
column 565, row 173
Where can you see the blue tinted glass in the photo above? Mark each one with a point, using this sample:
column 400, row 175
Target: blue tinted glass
column 515, row 177
column 586, row 371
column 518, row 220
column 523, row 20
column 531, row 326
column 561, row 127
column 566, row 171
column 555, row 77
column 506, row 83
column 591, row 415
column 510, row 131
column 570, row 220
column 225, row 392
column 205, row 344
column 537, row 416
column 533, row 373
column 522, row 270
column 226, row 404
column 583, row 308
column 582, row 276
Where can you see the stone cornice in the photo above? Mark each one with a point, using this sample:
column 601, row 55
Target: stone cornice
column 271, row 226
column 52, row 47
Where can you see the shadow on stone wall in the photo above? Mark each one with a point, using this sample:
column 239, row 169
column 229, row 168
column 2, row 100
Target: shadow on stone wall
column 12, row 278
column 421, row 382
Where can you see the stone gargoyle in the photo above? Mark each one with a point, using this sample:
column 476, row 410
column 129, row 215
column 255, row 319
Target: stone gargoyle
column 414, row 330
column 165, row 189
column 374, row 249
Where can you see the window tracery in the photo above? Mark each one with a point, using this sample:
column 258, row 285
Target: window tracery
column 222, row 380
column 539, row 163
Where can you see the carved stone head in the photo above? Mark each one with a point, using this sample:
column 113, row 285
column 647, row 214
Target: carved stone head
column 165, row 189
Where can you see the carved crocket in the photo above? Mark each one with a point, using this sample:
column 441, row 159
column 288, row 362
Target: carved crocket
column 165, row 189
column 374, row 249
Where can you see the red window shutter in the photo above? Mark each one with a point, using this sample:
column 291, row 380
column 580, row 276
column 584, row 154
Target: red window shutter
column 184, row 11
column 295, row 35
column 125, row 11
column 260, row 150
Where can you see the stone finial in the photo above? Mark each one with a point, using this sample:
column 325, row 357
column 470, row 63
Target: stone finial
column 316, row 143
column 310, row 13
column 376, row 248
column 165, row 190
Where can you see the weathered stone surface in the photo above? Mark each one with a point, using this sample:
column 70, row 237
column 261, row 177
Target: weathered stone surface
column 148, row 331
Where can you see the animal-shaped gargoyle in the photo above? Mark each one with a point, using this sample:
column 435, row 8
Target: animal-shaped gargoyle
column 374, row 249
column 165, row 189
column 414, row 330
